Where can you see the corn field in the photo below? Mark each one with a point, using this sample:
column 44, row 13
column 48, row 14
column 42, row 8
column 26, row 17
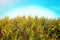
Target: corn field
column 31, row 28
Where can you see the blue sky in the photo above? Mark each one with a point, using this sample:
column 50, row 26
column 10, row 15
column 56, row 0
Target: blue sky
column 46, row 8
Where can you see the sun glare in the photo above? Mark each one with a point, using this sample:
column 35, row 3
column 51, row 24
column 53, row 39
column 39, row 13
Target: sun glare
column 31, row 11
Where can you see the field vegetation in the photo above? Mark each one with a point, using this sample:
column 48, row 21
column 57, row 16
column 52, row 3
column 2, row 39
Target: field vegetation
column 22, row 28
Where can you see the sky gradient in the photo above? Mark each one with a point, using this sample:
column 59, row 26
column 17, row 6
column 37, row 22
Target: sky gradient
column 46, row 8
